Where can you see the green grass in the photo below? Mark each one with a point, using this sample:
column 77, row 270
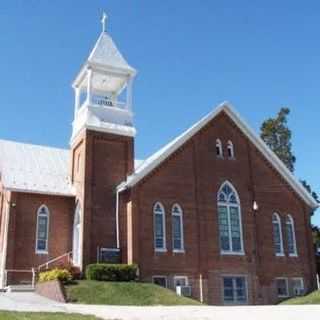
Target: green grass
column 311, row 298
column 6, row 315
column 124, row 293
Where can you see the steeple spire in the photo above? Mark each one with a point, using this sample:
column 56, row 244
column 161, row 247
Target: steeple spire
column 103, row 21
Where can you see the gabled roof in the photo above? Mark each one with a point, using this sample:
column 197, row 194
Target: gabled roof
column 157, row 158
column 106, row 53
column 35, row 169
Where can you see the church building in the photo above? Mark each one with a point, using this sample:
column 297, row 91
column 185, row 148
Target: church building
column 214, row 212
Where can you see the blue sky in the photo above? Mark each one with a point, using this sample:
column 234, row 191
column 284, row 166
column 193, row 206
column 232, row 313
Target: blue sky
column 190, row 55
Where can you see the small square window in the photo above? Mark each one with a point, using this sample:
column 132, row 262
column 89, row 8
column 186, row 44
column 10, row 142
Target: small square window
column 235, row 290
column 282, row 287
column 297, row 286
column 180, row 281
column 160, row 281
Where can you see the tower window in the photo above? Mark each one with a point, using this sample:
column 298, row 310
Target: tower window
column 78, row 162
column 219, row 151
column 230, row 149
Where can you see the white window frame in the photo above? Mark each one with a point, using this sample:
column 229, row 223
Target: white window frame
column 287, row 287
column 219, row 147
column 291, row 221
column 301, row 282
column 230, row 149
column 180, row 215
column 281, row 253
column 231, row 205
column 176, row 278
column 162, row 277
column 234, row 276
column 47, row 214
column 164, row 248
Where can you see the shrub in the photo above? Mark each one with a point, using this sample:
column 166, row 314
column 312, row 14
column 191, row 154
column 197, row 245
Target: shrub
column 111, row 272
column 55, row 274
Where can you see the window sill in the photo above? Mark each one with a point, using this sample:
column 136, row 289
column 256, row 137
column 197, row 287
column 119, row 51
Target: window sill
column 41, row 252
column 293, row 255
column 232, row 253
column 160, row 250
column 179, row 251
column 280, row 254
column 235, row 303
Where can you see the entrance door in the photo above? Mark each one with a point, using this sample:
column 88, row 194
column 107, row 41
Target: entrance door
column 76, row 244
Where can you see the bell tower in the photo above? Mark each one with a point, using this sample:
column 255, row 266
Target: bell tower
column 103, row 90
column 102, row 146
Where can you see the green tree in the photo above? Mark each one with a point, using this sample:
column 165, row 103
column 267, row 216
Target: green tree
column 316, row 236
column 313, row 194
column 277, row 135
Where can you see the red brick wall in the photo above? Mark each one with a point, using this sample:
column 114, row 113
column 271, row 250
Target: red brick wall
column 192, row 178
column 21, row 252
column 53, row 290
column 107, row 161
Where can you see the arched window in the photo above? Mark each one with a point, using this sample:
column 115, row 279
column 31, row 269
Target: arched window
column 230, row 150
column 42, row 230
column 177, row 228
column 78, row 162
column 277, row 235
column 159, row 227
column 219, row 150
column 291, row 236
column 229, row 215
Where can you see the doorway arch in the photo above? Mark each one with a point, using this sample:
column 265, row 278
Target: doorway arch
column 76, row 241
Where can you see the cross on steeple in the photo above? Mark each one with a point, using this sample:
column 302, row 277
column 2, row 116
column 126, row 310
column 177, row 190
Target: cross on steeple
column 103, row 21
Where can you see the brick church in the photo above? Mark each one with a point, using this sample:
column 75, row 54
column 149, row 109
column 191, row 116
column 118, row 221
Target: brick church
column 213, row 211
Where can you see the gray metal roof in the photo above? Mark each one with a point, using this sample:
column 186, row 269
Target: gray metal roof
column 33, row 168
column 36, row 169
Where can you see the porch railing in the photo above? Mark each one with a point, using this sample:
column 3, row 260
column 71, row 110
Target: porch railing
column 31, row 271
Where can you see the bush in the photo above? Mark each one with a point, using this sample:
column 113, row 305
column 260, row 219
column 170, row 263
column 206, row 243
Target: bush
column 111, row 272
column 55, row 274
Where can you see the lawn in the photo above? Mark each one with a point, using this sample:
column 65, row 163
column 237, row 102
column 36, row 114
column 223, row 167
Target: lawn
column 124, row 293
column 311, row 298
column 6, row 315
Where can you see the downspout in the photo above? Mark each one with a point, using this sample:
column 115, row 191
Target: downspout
column 120, row 188
column 5, row 244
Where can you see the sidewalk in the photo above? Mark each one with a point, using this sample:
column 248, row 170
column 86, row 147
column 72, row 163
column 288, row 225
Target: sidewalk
column 34, row 303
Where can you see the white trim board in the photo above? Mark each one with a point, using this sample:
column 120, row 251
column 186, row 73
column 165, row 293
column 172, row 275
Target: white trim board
column 157, row 158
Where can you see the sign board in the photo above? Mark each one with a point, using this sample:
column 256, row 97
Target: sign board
column 109, row 255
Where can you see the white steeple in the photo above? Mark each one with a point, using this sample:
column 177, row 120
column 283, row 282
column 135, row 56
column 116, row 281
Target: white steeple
column 103, row 90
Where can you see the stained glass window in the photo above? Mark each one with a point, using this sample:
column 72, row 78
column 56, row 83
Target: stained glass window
column 229, row 219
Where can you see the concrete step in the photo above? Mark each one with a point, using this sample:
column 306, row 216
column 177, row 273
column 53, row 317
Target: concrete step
column 19, row 288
